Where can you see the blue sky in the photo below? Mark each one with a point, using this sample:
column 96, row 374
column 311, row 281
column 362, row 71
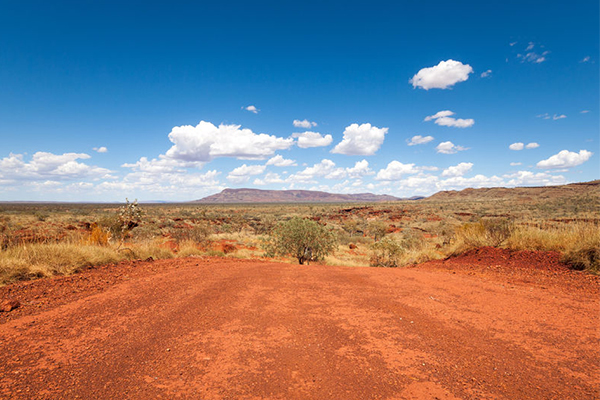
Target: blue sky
column 178, row 100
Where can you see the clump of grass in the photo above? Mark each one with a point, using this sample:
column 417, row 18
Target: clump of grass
column 578, row 242
column 486, row 232
column 38, row 260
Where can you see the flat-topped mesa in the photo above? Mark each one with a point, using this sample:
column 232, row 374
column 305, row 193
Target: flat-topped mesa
column 246, row 195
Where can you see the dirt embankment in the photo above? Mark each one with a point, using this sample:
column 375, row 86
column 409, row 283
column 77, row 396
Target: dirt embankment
column 489, row 325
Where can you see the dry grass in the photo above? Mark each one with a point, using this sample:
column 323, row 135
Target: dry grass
column 42, row 240
column 38, row 260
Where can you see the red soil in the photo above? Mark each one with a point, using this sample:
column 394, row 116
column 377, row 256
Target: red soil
column 491, row 324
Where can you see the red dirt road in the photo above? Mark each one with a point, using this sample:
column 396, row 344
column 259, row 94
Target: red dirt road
column 472, row 328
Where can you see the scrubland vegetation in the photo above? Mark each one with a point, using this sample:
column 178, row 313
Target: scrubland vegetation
column 39, row 240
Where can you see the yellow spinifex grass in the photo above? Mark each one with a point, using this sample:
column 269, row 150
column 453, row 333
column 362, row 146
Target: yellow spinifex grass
column 558, row 238
column 47, row 259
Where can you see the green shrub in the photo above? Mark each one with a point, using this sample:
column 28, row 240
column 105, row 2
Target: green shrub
column 303, row 239
column 386, row 253
column 486, row 232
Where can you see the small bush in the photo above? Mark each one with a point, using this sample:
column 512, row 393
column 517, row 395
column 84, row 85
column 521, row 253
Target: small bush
column 97, row 236
column 303, row 239
column 386, row 253
column 486, row 232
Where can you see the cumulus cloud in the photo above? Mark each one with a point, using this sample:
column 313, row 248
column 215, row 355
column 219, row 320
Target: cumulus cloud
column 442, row 76
column 443, row 118
column 449, row 148
column 312, row 139
column 361, row 168
column 243, row 173
column 363, row 140
column 304, row 124
column 252, row 109
column 517, row 146
column 279, row 161
column 458, row 170
column 205, row 141
column 418, row 139
column 325, row 167
column 395, row 170
column 520, row 146
column 100, row 149
column 561, row 116
column 328, row 170
column 565, row 159
column 487, row 73
column 49, row 166
column 523, row 178
column 269, row 178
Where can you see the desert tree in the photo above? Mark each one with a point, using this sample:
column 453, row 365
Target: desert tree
column 304, row 239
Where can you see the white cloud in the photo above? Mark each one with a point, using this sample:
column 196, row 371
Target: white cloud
column 514, row 164
column 304, row 124
column 585, row 111
column 523, row 178
column 325, row 167
column 532, row 145
column 533, row 57
column 553, row 117
column 162, row 165
column 487, row 73
column 312, row 139
column 585, row 59
column 458, row 170
column 252, row 109
column 49, row 166
column 478, row 181
column 530, row 46
column 361, row 168
column 279, row 161
column 243, row 173
column 517, row 146
column 328, row 170
column 565, row 159
column 363, row 140
column 269, row 178
column 443, row 118
column 418, row 139
column 205, row 142
column 395, row 170
column 442, row 76
column 449, row 148
column 100, row 149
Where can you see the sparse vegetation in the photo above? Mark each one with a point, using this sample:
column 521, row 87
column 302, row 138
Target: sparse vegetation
column 301, row 238
column 44, row 239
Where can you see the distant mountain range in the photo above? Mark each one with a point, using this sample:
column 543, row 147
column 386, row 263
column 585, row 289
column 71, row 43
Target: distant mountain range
column 311, row 196
column 292, row 196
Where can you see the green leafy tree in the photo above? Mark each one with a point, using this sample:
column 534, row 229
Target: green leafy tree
column 301, row 238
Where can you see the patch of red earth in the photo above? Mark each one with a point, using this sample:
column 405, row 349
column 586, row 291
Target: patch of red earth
column 491, row 324
column 541, row 268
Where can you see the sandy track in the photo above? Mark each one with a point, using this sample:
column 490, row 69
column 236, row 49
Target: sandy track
column 232, row 329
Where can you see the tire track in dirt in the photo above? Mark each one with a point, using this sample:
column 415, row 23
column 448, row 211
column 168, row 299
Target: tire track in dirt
column 235, row 329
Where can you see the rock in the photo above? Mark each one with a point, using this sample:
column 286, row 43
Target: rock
column 149, row 259
column 9, row 305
